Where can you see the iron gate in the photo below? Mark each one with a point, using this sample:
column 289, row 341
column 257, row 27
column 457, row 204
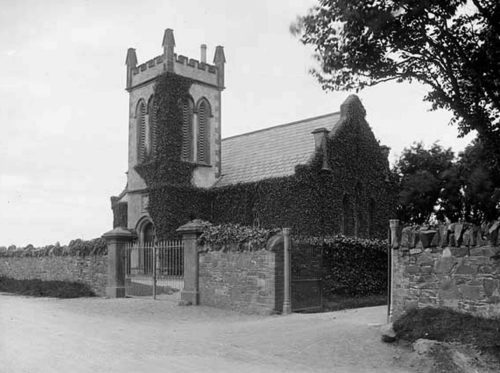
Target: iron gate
column 306, row 275
column 153, row 269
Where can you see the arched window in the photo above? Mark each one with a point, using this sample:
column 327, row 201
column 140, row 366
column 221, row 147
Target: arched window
column 371, row 218
column 152, row 127
column 203, row 143
column 187, row 107
column 140, row 115
column 358, row 207
column 347, row 216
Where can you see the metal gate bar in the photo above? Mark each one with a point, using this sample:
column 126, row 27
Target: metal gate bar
column 170, row 264
column 154, row 268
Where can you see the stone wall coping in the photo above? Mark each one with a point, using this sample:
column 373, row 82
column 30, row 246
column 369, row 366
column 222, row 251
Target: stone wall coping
column 442, row 235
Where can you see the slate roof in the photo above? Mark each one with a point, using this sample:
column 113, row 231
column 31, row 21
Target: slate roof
column 270, row 152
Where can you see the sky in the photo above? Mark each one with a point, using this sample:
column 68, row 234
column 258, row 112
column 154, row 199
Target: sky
column 63, row 111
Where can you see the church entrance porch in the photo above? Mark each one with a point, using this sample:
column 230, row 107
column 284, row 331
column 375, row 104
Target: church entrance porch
column 154, row 268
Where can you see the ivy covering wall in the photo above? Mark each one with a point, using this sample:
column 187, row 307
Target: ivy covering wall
column 354, row 197
column 165, row 165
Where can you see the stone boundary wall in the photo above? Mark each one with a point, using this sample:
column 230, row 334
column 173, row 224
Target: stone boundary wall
column 91, row 270
column 244, row 281
column 445, row 268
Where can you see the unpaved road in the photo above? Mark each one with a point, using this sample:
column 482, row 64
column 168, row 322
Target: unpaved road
column 39, row 335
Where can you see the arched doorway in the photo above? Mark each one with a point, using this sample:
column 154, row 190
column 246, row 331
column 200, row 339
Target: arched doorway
column 144, row 254
column 153, row 266
column 148, row 233
column 148, row 236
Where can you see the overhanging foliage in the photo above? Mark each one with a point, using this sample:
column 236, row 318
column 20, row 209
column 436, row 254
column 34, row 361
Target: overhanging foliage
column 452, row 46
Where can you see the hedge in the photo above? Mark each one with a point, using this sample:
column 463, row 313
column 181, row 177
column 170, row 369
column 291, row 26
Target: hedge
column 352, row 266
column 78, row 247
column 234, row 237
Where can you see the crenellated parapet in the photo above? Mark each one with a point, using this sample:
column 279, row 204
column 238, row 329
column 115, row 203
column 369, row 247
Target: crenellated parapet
column 198, row 70
column 183, row 60
column 158, row 60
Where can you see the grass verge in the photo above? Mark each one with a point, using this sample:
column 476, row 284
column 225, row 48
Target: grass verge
column 40, row 288
column 338, row 302
column 446, row 325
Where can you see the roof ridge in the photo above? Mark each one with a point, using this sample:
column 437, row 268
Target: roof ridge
column 281, row 125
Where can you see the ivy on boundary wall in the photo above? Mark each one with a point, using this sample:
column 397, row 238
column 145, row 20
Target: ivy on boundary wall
column 310, row 202
column 349, row 266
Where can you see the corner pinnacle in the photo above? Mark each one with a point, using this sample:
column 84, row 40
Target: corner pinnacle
column 168, row 39
column 219, row 57
column 131, row 59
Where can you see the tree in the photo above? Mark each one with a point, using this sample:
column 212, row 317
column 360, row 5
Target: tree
column 480, row 184
column 432, row 183
column 452, row 46
column 427, row 181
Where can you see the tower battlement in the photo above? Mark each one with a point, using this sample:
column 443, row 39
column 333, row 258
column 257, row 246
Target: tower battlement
column 198, row 70
column 195, row 64
column 158, row 60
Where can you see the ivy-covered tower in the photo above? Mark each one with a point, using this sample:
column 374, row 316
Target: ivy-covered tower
column 199, row 108
column 320, row 176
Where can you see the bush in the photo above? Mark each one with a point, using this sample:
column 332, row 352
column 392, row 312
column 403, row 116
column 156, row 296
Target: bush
column 447, row 325
column 79, row 247
column 352, row 267
column 235, row 237
column 40, row 288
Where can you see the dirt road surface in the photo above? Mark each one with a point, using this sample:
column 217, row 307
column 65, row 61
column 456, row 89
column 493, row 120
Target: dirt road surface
column 41, row 335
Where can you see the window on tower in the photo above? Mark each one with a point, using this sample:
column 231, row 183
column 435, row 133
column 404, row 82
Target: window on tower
column 203, row 143
column 152, row 129
column 187, row 107
column 140, row 115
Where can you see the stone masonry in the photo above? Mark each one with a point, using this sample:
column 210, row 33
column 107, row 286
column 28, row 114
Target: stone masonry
column 248, row 282
column 90, row 270
column 463, row 277
column 241, row 281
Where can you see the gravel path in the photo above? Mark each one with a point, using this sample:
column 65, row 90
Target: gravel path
column 39, row 335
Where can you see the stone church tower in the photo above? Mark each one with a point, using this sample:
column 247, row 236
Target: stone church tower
column 201, row 128
column 323, row 175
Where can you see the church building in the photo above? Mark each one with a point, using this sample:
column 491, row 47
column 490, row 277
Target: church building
column 321, row 176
